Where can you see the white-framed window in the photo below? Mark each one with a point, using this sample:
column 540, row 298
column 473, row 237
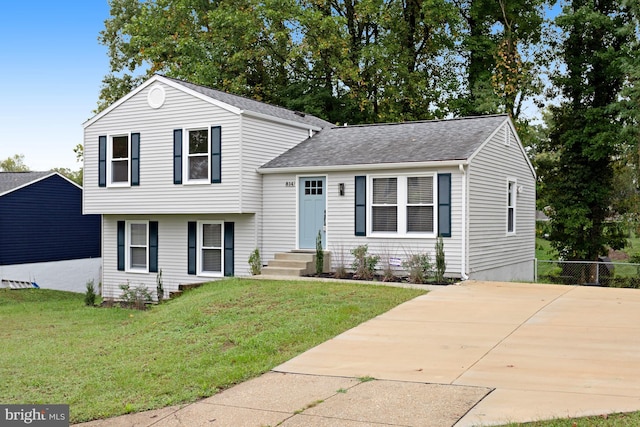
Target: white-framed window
column 118, row 160
column 512, row 190
column 198, row 154
column 384, row 205
column 210, row 248
column 402, row 205
column 137, row 246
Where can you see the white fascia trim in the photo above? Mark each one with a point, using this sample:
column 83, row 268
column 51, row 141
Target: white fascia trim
column 171, row 83
column 363, row 167
column 279, row 120
column 120, row 101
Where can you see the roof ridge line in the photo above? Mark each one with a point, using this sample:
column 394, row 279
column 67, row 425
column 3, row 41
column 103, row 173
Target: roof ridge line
column 484, row 116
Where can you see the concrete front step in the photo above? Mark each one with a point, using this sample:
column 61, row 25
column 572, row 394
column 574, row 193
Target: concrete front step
column 296, row 256
column 282, row 271
column 288, row 263
column 295, row 263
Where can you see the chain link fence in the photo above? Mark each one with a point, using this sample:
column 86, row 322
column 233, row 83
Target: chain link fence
column 610, row 274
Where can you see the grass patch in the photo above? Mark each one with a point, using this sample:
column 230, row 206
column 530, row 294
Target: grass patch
column 614, row 420
column 107, row 362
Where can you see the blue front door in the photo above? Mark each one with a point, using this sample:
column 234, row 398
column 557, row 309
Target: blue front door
column 312, row 211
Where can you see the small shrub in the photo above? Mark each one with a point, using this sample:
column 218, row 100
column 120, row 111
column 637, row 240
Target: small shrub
column 364, row 264
column 340, row 270
column 159, row 287
column 90, row 294
column 441, row 265
column 255, row 262
column 319, row 254
column 388, row 272
column 137, row 297
column 418, row 267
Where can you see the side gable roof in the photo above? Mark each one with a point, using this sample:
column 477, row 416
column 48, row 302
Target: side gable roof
column 12, row 181
column 233, row 103
column 392, row 143
column 250, row 105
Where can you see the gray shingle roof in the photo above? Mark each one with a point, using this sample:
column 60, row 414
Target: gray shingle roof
column 12, row 180
column 255, row 106
column 436, row 140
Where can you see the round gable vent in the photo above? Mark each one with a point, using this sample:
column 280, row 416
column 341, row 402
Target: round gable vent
column 156, row 97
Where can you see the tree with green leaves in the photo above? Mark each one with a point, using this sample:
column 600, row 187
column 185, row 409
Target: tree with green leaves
column 502, row 45
column 587, row 131
column 14, row 164
column 347, row 61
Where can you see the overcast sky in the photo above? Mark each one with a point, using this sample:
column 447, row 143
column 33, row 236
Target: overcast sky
column 51, row 69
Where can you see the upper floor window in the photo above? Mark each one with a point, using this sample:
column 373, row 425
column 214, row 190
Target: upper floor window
column 511, row 206
column 403, row 205
column 198, row 155
column 119, row 159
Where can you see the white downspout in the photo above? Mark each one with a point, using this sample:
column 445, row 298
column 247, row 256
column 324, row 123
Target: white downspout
column 463, row 225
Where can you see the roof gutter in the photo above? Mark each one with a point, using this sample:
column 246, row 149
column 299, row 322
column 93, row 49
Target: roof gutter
column 363, row 167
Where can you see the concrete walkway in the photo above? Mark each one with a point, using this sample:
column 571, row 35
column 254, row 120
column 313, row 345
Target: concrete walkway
column 480, row 353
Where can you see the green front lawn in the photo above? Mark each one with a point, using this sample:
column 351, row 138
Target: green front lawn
column 615, row 420
column 110, row 361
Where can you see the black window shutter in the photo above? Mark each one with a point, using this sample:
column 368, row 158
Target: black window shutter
column 121, row 225
column 153, row 246
column 444, row 204
column 191, row 253
column 102, row 161
column 216, row 158
column 135, row 159
column 228, row 248
column 361, row 206
column 177, row 156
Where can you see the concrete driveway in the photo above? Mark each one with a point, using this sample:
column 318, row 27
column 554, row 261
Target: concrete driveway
column 479, row 353
column 543, row 351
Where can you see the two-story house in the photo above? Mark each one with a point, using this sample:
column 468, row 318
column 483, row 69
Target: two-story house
column 190, row 180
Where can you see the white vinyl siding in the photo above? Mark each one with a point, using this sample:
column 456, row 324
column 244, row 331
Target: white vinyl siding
column 262, row 141
column 279, row 219
column 172, row 250
column 247, row 143
column 157, row 192
column 490, row 246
